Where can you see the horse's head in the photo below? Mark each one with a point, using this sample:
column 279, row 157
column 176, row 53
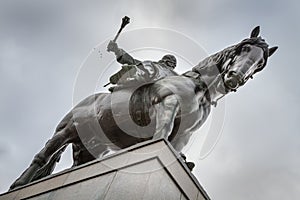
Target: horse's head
column 247, row 58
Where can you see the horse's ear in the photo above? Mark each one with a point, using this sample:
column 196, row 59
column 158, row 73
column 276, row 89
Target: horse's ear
column 255, row 32
column 272, row 50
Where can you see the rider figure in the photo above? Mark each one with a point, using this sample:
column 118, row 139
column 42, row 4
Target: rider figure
column 136, row 72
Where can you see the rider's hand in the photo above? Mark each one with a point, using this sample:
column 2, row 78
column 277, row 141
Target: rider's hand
column 112, row 46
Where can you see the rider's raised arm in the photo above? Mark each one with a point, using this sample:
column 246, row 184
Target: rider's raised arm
column 125, row 58
column 122, row 56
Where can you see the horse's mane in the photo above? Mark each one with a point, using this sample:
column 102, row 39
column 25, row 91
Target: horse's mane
column 219, row 58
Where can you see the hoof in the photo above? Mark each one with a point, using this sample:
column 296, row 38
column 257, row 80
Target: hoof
column 25, row 177
column 190, row 165
column 17, row 184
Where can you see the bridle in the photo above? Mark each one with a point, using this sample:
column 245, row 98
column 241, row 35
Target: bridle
column 224, row 70
column 232, row 59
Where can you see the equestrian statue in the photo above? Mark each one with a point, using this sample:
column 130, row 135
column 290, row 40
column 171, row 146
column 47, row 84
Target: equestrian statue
column 149, row 100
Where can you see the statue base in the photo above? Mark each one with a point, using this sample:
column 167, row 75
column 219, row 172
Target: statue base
column 149, row 170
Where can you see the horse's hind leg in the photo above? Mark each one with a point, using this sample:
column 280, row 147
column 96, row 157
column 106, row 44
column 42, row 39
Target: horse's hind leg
column 60, row 138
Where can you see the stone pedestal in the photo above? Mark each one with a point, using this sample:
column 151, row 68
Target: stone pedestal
column 148, row 170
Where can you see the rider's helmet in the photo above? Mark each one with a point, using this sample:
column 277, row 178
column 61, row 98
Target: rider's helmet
column 169, row 60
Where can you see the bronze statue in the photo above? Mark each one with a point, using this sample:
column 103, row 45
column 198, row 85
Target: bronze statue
column 172, row 107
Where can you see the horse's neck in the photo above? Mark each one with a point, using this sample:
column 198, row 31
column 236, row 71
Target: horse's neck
column 211, row 69
column 214, row 64
column 210, row 80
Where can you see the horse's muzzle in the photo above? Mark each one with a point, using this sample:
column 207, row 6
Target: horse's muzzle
column 232, row 80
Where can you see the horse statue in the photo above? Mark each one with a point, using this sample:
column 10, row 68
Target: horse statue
column 172, row 107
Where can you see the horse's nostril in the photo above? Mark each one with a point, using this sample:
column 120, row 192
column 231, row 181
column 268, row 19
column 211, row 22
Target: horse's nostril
column 231, row 73
column 235, row 75
column 232, row 83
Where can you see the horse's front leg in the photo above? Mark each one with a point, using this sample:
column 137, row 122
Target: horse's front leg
column 166, row 111
column 58, row 140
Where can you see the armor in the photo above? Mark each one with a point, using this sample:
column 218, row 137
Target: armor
column 135, row 72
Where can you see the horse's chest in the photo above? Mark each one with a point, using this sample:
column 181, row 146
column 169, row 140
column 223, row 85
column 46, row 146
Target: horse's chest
column 189, row 120
column 193, row 120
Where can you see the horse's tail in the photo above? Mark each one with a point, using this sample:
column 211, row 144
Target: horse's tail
column 48, row 168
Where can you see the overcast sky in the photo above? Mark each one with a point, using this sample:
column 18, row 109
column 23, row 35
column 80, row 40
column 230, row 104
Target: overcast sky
column 43, row 44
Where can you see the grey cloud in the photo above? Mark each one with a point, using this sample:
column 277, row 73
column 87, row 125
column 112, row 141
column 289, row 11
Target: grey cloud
column 44, row 43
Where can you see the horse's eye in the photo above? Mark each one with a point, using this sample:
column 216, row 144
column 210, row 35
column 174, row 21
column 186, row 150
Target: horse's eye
column 246, row 48
column 260, row 64
column 259, row 67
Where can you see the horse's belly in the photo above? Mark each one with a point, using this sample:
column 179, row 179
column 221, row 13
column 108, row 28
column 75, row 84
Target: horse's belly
column 122, row 131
